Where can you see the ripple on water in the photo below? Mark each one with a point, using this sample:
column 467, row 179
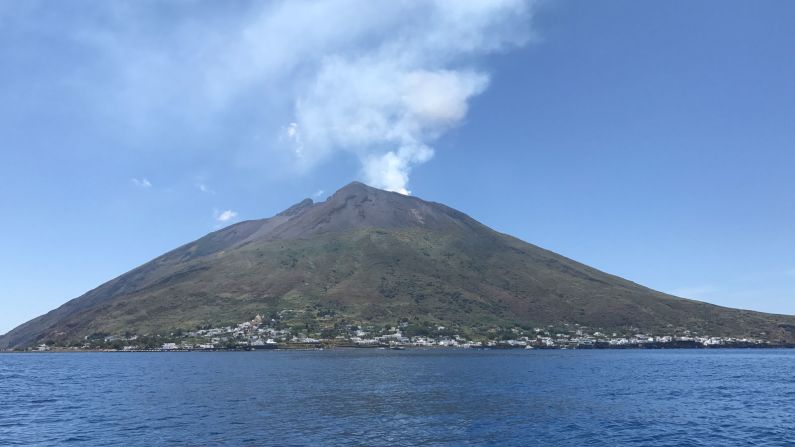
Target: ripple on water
column 393, row 398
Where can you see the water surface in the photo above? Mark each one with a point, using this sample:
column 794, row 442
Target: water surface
column 394, row 398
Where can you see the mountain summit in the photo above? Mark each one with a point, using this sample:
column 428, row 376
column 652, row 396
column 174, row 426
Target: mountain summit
column 371, row 257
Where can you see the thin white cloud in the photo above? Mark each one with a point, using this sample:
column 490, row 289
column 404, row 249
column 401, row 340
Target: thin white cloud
column 318, row 194
column 141, row 183
column 225, row 216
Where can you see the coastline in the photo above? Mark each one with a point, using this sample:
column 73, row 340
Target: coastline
column 290, row 347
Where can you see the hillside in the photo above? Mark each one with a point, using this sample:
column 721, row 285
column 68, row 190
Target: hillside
column 367, row 256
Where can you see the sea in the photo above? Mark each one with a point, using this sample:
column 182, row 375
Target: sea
column 371, row 397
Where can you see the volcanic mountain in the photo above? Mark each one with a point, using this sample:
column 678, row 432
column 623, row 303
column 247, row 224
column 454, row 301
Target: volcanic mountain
column 369, row 256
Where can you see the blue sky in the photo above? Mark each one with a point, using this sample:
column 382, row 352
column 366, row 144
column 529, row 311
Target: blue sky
column 652, row 140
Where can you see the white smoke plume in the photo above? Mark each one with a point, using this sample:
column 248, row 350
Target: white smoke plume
column 381, row 80
column 385, row 113
column 388, row 103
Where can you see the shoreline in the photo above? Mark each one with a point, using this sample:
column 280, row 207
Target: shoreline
column 405, row 348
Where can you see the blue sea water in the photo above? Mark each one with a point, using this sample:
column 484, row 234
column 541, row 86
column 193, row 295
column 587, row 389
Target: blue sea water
column 396, row 398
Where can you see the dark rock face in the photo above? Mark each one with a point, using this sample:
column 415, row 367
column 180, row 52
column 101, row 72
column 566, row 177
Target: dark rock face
column 375, row 256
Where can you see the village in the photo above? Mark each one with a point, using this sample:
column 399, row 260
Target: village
column 262, row 334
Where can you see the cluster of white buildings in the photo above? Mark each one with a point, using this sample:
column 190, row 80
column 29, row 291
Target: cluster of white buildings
column 396, row 338
column 247, row 334
column 598, row 339
column 261, row 334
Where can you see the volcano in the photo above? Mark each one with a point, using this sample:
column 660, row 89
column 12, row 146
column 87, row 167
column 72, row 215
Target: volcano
column 368, row 256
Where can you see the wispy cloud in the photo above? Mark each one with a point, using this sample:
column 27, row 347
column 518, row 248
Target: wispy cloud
column 318, row 194
column 141, row 183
